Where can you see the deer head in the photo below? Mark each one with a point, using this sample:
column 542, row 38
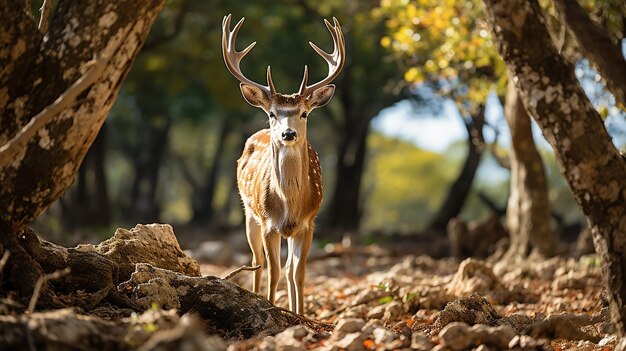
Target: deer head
column 287, row 113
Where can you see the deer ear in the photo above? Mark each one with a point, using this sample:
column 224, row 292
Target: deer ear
column 321, row 96
column 254, row 96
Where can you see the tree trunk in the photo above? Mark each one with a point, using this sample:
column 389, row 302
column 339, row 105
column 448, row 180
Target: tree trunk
column 604, row 53
column 35, row 72
column 344, row 211
column 203, row 209
column 528, row 211
column 455, row 199
column 144, row 205
column 88, row 202
column 592, row 166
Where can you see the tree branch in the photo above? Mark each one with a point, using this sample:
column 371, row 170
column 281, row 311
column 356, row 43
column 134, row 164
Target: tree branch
column 45, row 10
column 42, row 280
column 597, row 46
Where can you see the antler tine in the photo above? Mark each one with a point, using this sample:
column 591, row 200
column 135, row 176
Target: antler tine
column 305, row 80
column 270, row 83
column 335, row 60
column 233, row 58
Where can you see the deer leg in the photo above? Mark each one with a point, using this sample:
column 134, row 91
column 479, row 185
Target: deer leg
column 302, row 244
column 289, row 272
column 255, row 240
column 271, row 243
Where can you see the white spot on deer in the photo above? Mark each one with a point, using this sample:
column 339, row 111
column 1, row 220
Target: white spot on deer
column 107, row 20
column 44, row 139
column 587, row 196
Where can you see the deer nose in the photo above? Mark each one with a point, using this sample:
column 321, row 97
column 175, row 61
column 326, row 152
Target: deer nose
column 289, row 135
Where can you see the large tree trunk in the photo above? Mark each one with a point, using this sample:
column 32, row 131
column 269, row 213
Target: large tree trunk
column 460, row 188
column 528, row 211
column 592, row 166
column 35, row 72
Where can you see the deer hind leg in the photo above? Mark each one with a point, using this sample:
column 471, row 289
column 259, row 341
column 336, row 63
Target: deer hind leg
column 255, row 240
column 271, row 244
column 301, row 245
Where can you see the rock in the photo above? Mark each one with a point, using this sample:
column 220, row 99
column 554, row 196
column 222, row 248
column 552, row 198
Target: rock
column 472, row 310
column 348, row 325
column 377, row 312
column 217, row 252
column 154, row 244
column 286, row 342
column 351, row 342
column 383, row 335
column 297, row 332
column 572, row 280
column 474, row 276
column 460, row 336
column 370, row 325
column 392, row 310
column 228, row 309
column 421, row 342
column 519, row 322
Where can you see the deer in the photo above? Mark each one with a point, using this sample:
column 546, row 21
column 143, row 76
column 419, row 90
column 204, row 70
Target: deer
column 279, row 174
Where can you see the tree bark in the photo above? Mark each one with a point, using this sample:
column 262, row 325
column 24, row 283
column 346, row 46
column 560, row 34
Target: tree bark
column 592, row 166
column 604, row 53
column 35, row 72
column 528, row 211
column 460, row 188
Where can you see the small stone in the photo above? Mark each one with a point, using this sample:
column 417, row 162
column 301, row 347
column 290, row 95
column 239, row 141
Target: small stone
column 383, row 335
column 377, row 312
column 370, row 325
column 611, row 339
column 392, row 310
column 421, row 342
column 295, row 332
column 351, row 342
column 349, row 325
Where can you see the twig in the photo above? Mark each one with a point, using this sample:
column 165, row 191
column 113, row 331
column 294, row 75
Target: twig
column 312, row 323
column 9, row 150
column 45, row 9
column 44, row 279
column 4, row 259
column 242, row 268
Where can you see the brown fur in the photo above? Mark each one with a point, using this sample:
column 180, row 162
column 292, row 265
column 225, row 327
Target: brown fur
column 286, row 203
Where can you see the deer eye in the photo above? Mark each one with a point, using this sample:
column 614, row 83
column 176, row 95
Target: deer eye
column 303, row 115
column 272, row 115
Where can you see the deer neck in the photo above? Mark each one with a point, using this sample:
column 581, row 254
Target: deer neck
column 290, row 165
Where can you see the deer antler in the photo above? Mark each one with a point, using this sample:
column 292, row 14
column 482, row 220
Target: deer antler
column 335, row 60
column 232, row 57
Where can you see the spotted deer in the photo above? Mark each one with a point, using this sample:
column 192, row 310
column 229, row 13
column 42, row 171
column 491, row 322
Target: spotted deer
column 279, row 175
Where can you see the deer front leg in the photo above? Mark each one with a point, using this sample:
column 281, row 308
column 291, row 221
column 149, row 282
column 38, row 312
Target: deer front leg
column 271, row 244
column 255, row 240
column 301, row 245
column 289, row 273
